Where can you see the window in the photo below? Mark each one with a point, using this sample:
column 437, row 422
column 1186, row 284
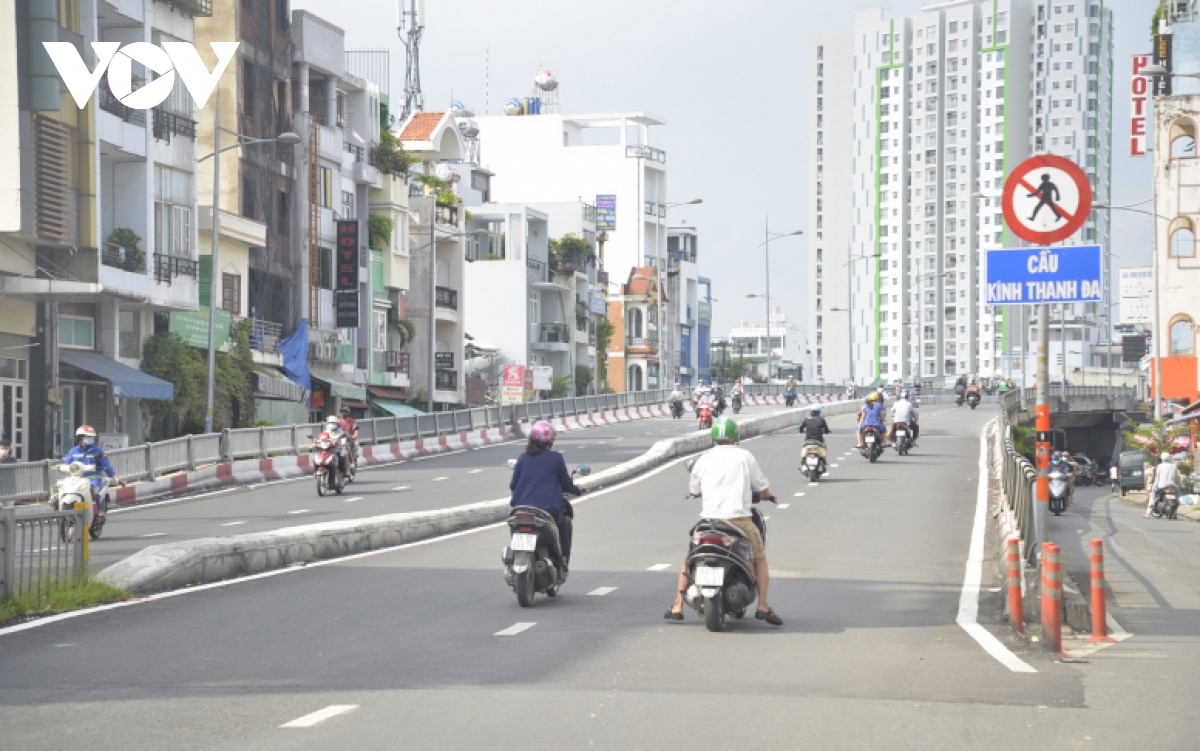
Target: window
column 231, row 293
column 1183, row 139
column 325, row 272
column 281, row 15
column 379, row 331
column 1183, row 239
column 284, row 214
column 77, row 332
column 348, row 205
column 172, row 212
column 325, row 187
column 248, row 202
column 130, row 334
column 1182, row 336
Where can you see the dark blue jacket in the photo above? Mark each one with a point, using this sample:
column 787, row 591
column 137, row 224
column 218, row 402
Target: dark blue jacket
column 540, row 481
column 93, row 460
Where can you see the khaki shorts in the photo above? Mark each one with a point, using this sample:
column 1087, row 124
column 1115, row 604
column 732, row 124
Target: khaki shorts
column 746, row 524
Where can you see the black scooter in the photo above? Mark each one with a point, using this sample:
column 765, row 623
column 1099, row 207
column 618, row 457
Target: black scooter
column 1166, row 503
column 872, row 443
column 973, row 400
column 533, row 558
column 676, row 408
column 903, row 442
column 737, row 403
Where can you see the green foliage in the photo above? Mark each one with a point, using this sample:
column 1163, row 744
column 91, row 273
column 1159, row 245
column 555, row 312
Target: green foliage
column 59, row 597
column 583, row 379
column 418, row 399
column 570, row 249
column 379, row 229
column 560, row 386
column 1025, row 441
column 389, row 155
column 1153, row 436
column 235, row 400
column 1159, row 12
column 135, row 257
column 604, row 333
column 404, row 328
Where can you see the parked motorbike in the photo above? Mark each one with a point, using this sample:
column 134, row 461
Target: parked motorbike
column 327, row 468
column 706, row 417
column 676, row 409
column 720, row 568
column 1166, row 502
column 903, row 441
column 76, row 488
column 872, row 443
column 737, row 403
column 973, row 400
column 812, row 460
column 533, row 558
column 1060, row 491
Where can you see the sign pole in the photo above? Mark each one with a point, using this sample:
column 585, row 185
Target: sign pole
column 1041, row 513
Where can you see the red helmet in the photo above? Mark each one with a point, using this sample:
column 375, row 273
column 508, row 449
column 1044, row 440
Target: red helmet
column 87, row 431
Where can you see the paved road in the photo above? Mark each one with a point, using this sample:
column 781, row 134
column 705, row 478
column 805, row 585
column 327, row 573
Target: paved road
column 432, row 482
column 867, row 570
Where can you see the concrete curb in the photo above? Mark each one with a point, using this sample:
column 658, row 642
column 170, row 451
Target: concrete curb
column 179, row 564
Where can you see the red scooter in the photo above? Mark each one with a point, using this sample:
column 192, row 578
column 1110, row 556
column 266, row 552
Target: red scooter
column 706, row 417
column 328, row 470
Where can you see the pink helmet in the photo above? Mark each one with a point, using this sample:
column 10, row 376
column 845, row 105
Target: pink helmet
column 542, row 432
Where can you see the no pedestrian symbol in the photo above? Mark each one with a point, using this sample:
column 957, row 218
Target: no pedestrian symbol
column 1046, row 199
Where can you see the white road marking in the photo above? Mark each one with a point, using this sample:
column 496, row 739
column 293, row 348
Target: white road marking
column 474, row 471
column 308, row 720
column 834, row 466
column 515, row 629
column 601, row 591
column 299, row 511
column 785, row 505
column 798, row 495
column 402, row 487
column 153, row 534
column 659, row 567
column 232, row 524
column 968, row 603
column 439, row 479
column 352, row 500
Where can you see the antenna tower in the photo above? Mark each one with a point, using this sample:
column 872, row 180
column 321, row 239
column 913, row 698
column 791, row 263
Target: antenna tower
column 410, row 25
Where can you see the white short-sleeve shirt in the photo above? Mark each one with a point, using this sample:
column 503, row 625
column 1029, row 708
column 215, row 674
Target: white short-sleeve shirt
column 725, row 477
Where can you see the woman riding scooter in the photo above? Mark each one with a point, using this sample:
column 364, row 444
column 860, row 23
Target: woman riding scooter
column 539, row 479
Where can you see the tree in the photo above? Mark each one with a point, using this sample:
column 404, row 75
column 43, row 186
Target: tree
column 168, row 356
column 404, row 328
column 389, row 155
column 560, row 386
column 235, row 396
column 1153, row 437
column 583, row 379
column 604, row 333
column 570, row 249
column 379, row 229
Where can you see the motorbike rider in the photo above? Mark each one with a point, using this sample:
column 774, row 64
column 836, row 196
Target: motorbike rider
column 1114, row 477
column 973, row 388
column 904, row 411
column 350, row 427
column 960, row 389
column 333, row 431
column 92, row 457
column 872, row 415
column 6, row 454
column 718, row 401
column 1166, row 475
column 706, row 400
column 724, row 478
column 737, row 392
column 539, row 479
column 815, row 429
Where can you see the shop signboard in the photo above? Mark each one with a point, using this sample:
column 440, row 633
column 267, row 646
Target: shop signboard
column 606, row 213
column 346, row 305
column 193, row 327
column 512, row 384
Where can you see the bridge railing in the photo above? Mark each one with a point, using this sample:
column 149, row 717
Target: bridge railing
column 1017, row 475
column 38, row 549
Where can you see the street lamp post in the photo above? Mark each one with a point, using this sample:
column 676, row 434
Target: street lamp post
column 289, row 139
column 766, row 245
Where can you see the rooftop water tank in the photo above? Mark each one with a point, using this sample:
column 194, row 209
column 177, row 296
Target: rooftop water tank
column 468, row 128
column 514, row 107
column 545, row 80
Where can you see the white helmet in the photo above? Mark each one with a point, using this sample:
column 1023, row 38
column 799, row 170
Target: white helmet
column 1165, row 457
column 333, row 422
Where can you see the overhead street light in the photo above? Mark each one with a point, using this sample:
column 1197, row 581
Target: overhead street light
column 766, row 244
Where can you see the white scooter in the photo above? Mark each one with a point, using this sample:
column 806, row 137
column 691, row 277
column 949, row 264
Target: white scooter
column 76, row 488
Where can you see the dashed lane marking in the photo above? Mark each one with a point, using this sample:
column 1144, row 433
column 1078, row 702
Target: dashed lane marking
column 798, row 495
column 601, row 591
column 659, row 567
column 299, row 511
column 232, row 524
column 352, row 500
column 515, row 629
column 785, row 505
column 321, row 715
column 401, row 487
column 474, row 471
column 153, row 534
column 439, row 479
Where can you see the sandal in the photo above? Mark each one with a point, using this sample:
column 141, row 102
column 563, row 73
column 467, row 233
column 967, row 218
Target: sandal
column 671, row 615
column 768, row 616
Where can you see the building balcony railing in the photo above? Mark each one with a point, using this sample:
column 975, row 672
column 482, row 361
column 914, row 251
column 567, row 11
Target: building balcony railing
column 446, row 298
column 392, row 362
column 646, row 152
column 332, row 353
column 124, row 259
column 166, row 268
column 167, row 124
column 110, row 104
column 554, row 333
column 645, row 342
column 447, row 215
column 446, row 380
column 581, row 323
column 193, row 8
column 264, row 335
column 356, row 150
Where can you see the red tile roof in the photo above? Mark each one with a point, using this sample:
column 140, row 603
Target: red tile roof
column 421, row 126
column 639, row 280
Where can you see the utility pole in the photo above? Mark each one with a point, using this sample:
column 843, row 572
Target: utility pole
column 1042, row 452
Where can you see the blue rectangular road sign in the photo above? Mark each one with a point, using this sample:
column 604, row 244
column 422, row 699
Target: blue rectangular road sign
column 1032, row 276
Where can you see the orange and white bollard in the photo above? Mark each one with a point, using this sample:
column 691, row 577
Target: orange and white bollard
column 1099, row 606
column 1016, row 608
column 1052, row 616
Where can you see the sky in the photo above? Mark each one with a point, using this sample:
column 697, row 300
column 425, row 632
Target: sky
column 731, row 82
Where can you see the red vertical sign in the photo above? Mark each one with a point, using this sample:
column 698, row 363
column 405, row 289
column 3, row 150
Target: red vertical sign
column 346, row 256
column 1139, row 107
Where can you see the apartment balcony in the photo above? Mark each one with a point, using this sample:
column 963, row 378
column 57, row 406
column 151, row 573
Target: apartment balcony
column 167, row 125
column 192, row 8
column 118, row 125
column 264, row 335
column 446, row 215
column 167, row 268
column 445, row 380
column 446, row 298
column 114, row 256
column 641, row 344
column 648, row 153
column 338, row 354
column 110, row 104
column 581, row 329
column 553, row 337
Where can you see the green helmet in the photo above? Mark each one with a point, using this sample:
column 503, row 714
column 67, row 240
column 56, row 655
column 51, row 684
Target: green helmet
column 725, row 429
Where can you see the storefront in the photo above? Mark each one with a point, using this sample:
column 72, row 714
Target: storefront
column 91, row 385
column 330, row 394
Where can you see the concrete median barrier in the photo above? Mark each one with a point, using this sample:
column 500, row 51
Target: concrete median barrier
column 191, row 562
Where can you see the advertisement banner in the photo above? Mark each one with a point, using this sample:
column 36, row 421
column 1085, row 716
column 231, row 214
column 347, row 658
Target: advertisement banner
column 346, row 256
column 606, row 213
column 597, row 302
column 527, row 382
column 512, row 384
column 1139, row 107
column 1136, row 290
column 1161, row 55
column 346, row 304
column 193, row 327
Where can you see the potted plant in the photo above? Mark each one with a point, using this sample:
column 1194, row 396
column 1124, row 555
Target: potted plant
column 134, row 258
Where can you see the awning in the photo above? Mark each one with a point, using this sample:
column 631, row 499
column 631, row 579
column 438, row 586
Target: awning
column 397, row 409
column 341, row 388
column 127, row 382
column 279, row 388
column 395, row 395
column 354, row 404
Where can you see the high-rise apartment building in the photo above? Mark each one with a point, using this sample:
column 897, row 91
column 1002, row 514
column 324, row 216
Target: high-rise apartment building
column 915, row 125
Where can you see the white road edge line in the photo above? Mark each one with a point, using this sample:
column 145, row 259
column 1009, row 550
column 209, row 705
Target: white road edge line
column 785, row 505
column 308, row 720
column 601, row 591
column 968, row 603
column 352, row 500
column 515, row 629
column 316, row 564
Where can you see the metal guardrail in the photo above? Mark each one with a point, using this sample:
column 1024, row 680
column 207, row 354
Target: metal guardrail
column 33, row 553
column 1017, row 475
column 33, row 480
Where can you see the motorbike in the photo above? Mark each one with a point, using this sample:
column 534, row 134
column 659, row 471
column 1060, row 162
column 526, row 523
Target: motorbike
column 1060, row 491
column 76, row 488
column 1166, row 502
column 676, row 409
column 533, row 558
column 903, row 441
column 973, row 400
column 350, row 449
column 327, row 469
column 719, row 404
column 706, row 417
column 789, row 398
column 958, row 399
column 720, row 567
column 812, row 463
column 872, row 443
column 737, row 403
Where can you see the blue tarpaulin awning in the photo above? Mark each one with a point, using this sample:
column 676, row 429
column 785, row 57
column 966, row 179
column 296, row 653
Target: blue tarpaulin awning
column 127, row 382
